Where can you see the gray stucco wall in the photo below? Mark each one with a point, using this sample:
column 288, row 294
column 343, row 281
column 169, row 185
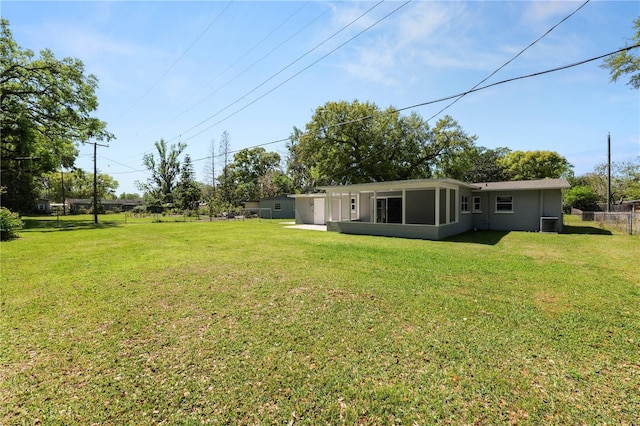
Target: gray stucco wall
column 552, row 203
column 286, row 207
column 528, row 207
column 425, row 232
column 303, row 210
column 465, row 220
column 480, row 218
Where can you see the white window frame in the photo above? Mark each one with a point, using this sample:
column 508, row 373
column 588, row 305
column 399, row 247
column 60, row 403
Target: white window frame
column 354, row 206
column 464, row 204
column 504, row 203
column 476, row 201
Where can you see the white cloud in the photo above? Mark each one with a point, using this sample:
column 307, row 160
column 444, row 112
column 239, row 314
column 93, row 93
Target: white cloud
column 424, row 21
column 83, row 42
column 542, row 11
column 424, row 35
column 344, row 15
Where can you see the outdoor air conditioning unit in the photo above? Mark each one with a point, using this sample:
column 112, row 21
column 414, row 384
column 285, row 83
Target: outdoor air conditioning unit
column 549, row 224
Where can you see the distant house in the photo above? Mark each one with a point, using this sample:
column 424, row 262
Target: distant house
column 281, row 207
column 434, row 209
column 251, row 205
column 43, row 206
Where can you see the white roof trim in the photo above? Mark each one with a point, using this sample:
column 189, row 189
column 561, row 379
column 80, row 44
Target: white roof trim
column 315, row 195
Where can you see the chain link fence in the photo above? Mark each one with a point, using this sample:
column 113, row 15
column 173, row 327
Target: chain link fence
column 627, row 222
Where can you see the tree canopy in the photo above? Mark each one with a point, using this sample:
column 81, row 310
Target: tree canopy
column 188, row 191
column 474, row 164
column 528, row 165
column 625, row 181
column 164, row 167
column 249, row 166
column 358, row 142
column 626, row 63
column 253, row 174
column 46, row 111
column 77, row 184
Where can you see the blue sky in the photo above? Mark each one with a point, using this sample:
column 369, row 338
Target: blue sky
column 188, row 71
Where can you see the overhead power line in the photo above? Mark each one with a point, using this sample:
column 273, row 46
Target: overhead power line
column 293, row 76
column 511, row 60
column 241, row 57
column 164, row 74
column 238, row 150
column 477, row 89
column 522, row 77
column 435, row 101
column 133, row 169
column 303, row 28
column 275, row 74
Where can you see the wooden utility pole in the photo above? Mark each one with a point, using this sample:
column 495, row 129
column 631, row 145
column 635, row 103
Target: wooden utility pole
column 608, row 172
column 64, row 201
column 95, row 179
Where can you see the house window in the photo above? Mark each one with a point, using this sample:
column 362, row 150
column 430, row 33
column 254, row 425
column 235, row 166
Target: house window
column 277, row 207
column 41, row 207
column 504, row 204
column 353, row 205
column 476, row 204
column 464, row 204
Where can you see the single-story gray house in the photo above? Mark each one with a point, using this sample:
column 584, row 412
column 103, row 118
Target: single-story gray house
column 280, row 207
column 43, row 206
column 434, row 209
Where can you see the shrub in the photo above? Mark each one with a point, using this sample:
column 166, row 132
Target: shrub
column 582, row 198
column 9, row 224
column 139, row 209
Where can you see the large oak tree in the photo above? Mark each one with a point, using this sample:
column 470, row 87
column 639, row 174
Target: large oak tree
column 627, row 62
column 529, row 165
column 357, row 142
column 47, row 108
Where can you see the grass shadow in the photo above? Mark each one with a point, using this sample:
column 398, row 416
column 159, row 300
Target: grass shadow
column 584, row 230
column 479, row 237
column 39, row 225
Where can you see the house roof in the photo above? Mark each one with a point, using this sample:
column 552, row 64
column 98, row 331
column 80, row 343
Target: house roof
column 396, row 185
column 519, row 185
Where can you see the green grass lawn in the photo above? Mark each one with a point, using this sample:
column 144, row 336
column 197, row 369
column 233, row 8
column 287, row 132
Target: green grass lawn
column 246, row 322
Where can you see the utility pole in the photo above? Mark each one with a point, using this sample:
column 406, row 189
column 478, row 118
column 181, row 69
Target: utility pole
column 608, row 172
column 64, row 201
column 95, row 179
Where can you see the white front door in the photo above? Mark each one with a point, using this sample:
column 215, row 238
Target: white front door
column 318, row 211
